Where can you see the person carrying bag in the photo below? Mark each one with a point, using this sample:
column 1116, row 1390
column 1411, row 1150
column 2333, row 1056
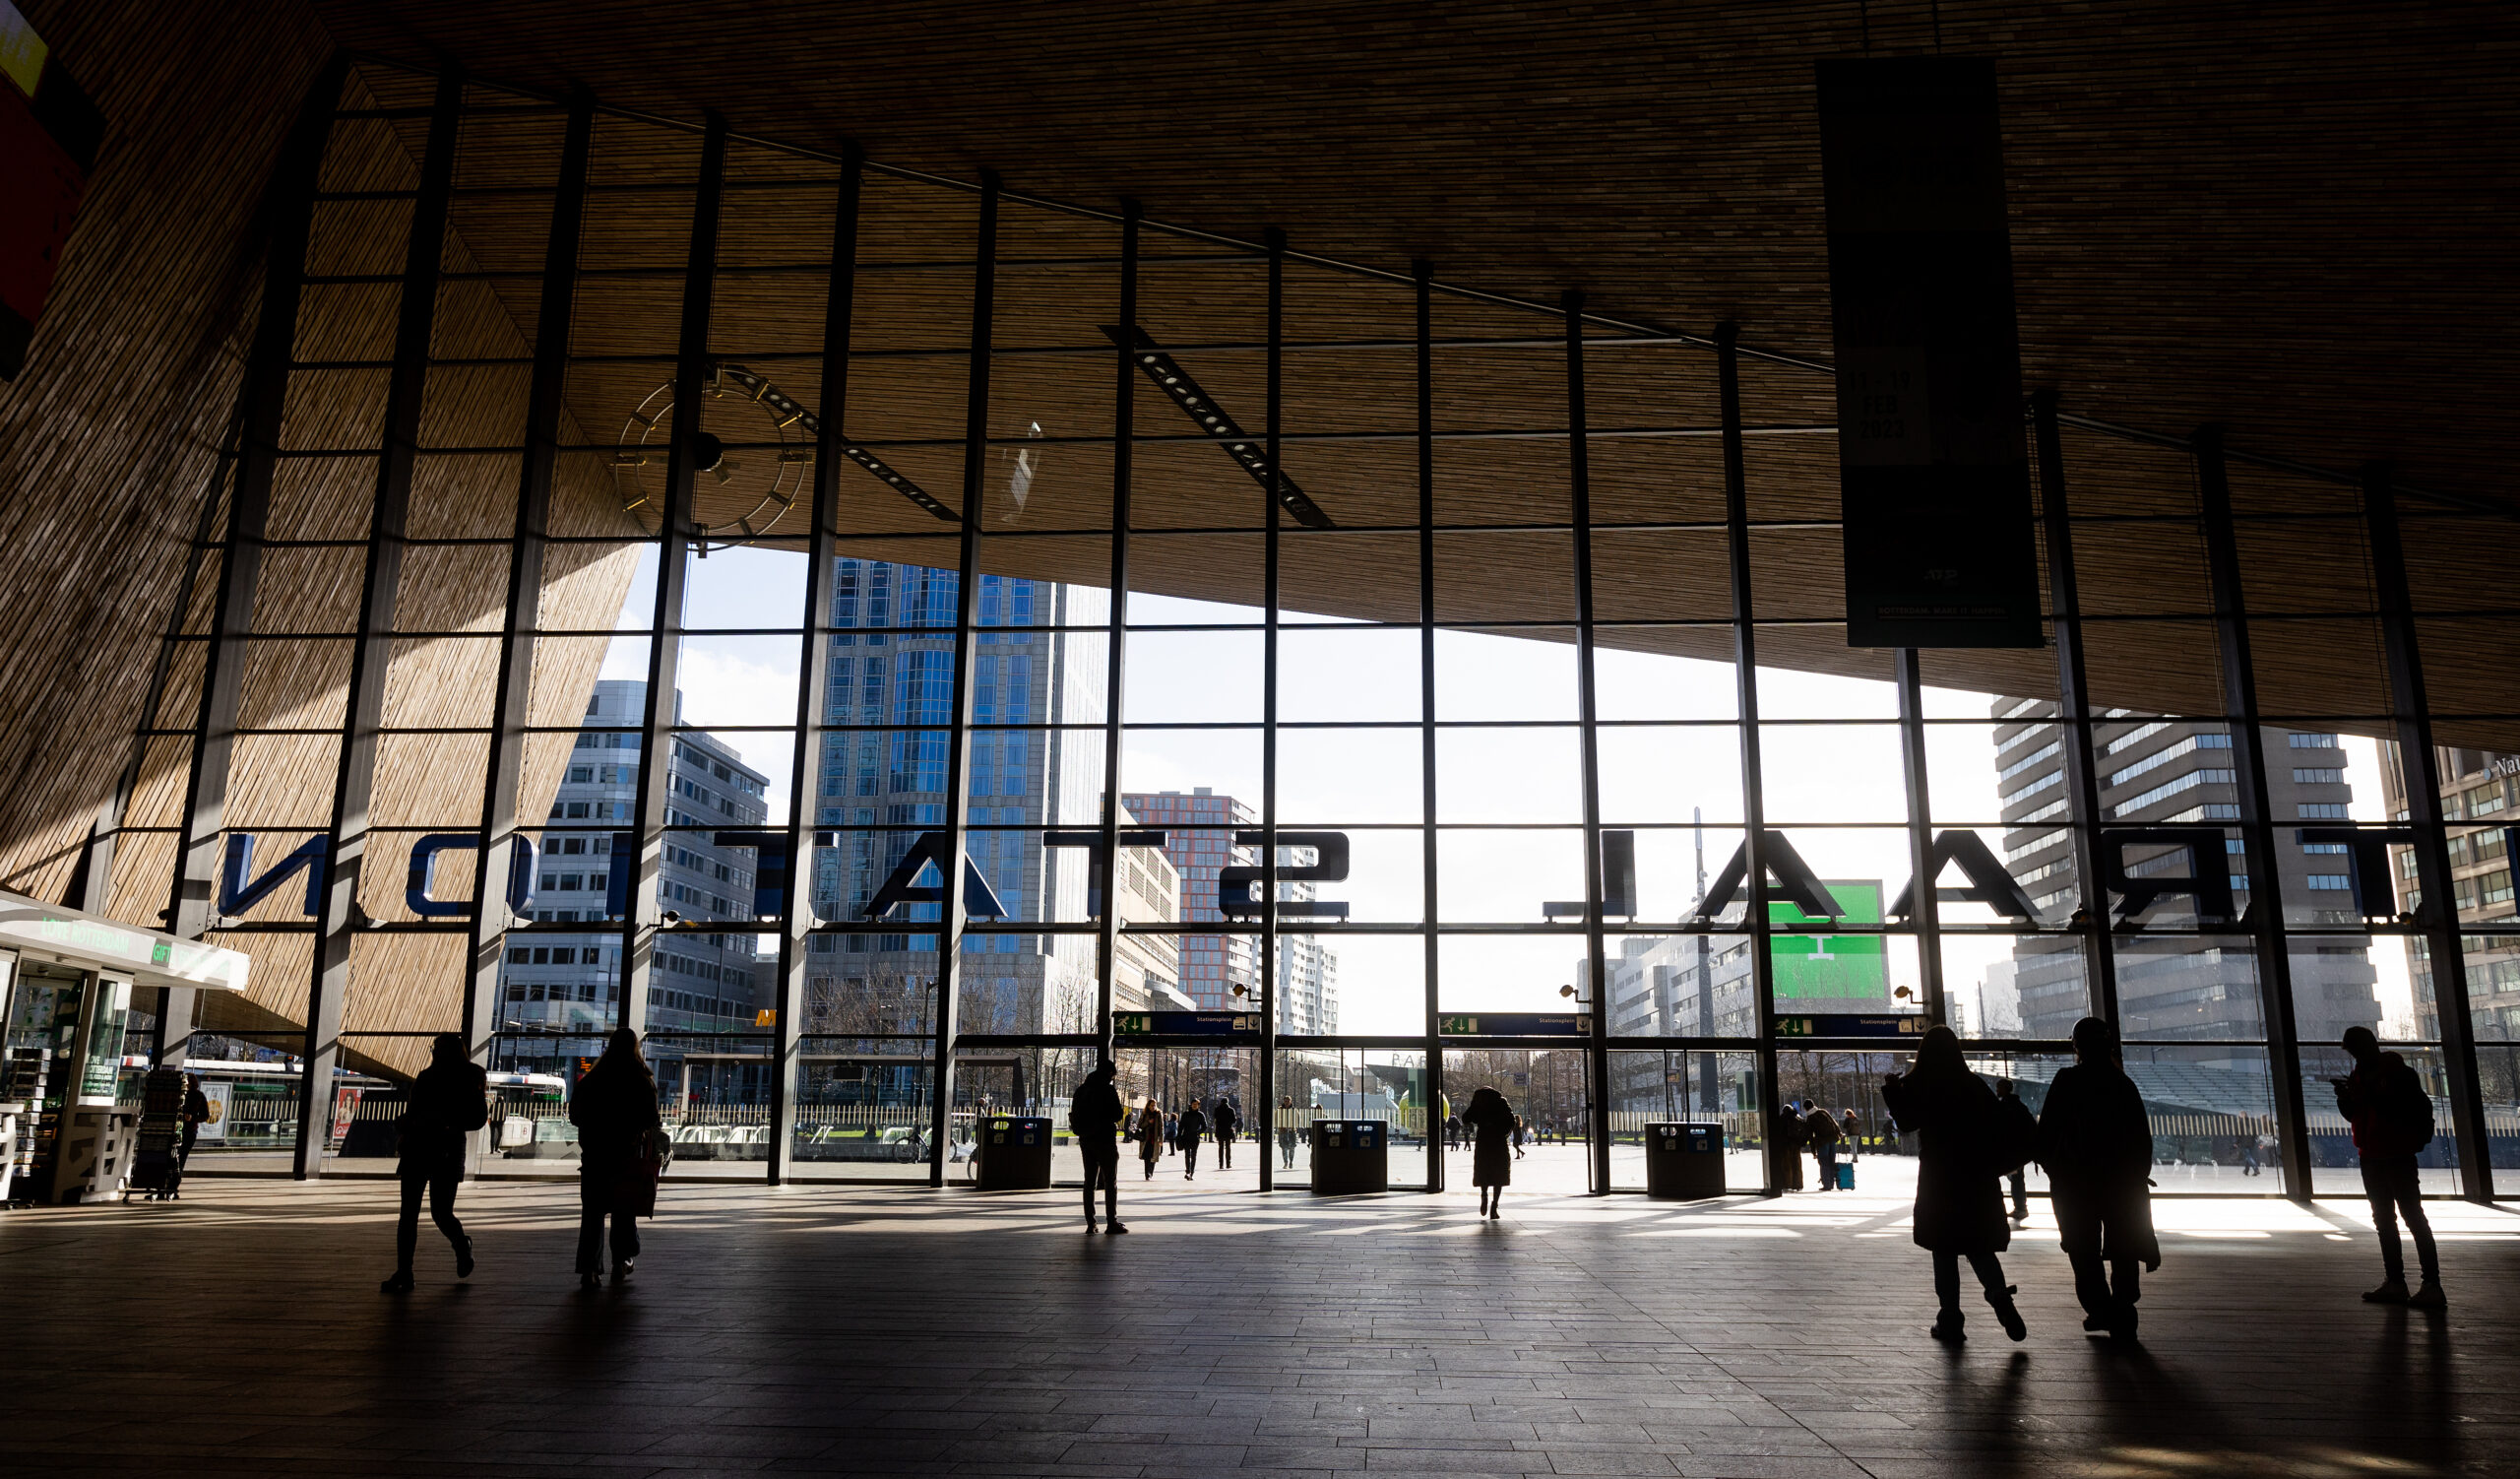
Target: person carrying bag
column 623, row 1153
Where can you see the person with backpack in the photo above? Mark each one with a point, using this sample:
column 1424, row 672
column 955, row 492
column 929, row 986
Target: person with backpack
column 1094, row 1116
column 1964, row 1141
column 2096, row 1144
column 450, row 1099
column 2392, row 1121
column 1791, row 1133
column 1822, row 1130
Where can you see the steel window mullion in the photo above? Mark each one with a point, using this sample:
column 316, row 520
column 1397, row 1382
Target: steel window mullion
column 194, row 901
column 2420, row 771
column 1425, row 274
column 1922, row 893
column 1597, row 1052
column 673, row 542
column 1265, row 986
column 371, row 654
column 2099, row 958
column 1115, row 667
column 511, row 705
column 951, row 915
column 796, row 915
column 1781, row 1159
column 2257, row 828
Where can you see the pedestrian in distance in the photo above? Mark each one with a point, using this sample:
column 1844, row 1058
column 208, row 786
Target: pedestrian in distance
column 2096, row 1144
column 1287, row 1131
column 2391, row 1116
column 1492, row 1123
column 1172, row 1131
column 196, row 1114
column 1153, row 1134
column 1963, row 1144
column 1822, row 1130
column 1852, row 1128
column 620, row 1155
column 1791, row 1134
column 1452, row 1132
column 2019, row 1181
column 1094, row 1116
column 1187, row 1132
column 1226, row 1123
column 450, row 1099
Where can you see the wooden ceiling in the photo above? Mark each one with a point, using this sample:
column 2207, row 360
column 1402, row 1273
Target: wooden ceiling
column 2293, row 220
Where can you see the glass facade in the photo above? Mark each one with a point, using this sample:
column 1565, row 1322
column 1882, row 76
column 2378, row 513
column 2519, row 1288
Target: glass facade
column 1325, row 690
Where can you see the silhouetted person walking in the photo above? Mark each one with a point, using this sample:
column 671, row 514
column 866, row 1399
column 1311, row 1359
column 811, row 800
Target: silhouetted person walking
column 1287, row 1131
column 1226, row 1123
column 1791, row 1133
column 1452, row 1132
column 1152, row 1136
column 1095, row 1117
column 1824, row 1135
column 2019, row 1182
column 2392, row 1119
column 1192, row 1125
column 2096, row 1144
column 1960, row 1209
column 615, row 1111
column 450, row 1099
column 1491, row 1122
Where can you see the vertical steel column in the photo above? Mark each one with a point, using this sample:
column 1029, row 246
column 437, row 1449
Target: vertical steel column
column 194, row 904
column 2437, row 916
column 1267, row 985
column 1579, row 475
column 675, row 533
column 1781, row 1159
column 511, row 706
column 1921, row 893
column 952, row 913
column 91, row 888
column 2073, row 707
column 371, row 657
column 1424, row 273
column 813, row 674
column 1106, row 936
column 2265, row 918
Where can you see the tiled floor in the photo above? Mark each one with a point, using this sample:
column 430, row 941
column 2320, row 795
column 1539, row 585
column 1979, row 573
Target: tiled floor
column 906, row 1332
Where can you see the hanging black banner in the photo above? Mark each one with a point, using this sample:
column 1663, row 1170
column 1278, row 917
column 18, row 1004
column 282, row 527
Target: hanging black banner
column 1932, row 469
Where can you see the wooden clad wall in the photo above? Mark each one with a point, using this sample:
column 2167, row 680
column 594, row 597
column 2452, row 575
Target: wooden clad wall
column 107, row 439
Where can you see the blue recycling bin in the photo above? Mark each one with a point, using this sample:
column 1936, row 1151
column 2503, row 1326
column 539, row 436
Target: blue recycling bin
column 1683, row 1160
column 1015, row 1153
column 1349, row 1156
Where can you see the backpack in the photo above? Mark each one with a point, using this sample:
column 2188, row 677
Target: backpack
column 2014, row 1139
column 2405, row 1110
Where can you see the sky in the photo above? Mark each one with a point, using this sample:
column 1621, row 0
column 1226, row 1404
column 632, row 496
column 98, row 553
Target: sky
column 1332, row 671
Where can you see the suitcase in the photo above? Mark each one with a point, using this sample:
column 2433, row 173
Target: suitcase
column 1845, row 1176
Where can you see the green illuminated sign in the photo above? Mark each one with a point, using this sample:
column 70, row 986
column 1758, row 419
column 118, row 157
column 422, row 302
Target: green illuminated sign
column 1832, row 967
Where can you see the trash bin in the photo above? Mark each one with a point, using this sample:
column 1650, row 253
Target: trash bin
column 1015, row 1153
column 1349, row 1156
column 1683, row 1160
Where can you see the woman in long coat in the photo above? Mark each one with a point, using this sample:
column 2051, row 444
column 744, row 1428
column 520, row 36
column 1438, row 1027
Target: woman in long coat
column 1960, row 1207
column 615, row 1111
column 2096, row 1144
column 1149, row 1136
column 1492, row 1120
